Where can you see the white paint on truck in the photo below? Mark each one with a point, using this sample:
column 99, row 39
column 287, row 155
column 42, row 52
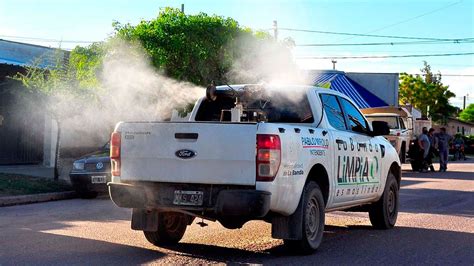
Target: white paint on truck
column 225, row 154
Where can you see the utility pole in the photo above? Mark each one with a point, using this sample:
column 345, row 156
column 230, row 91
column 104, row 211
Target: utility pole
column 275, row 30
column 333, row 64
column 182, row 8
column 464, row 102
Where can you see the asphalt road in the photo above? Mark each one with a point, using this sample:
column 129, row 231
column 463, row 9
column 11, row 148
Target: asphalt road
column 435, row 226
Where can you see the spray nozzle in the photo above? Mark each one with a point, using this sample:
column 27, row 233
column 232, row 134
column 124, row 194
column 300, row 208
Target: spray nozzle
column 211, row 92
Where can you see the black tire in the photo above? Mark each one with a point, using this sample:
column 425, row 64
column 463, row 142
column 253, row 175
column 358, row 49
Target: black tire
column 313, row 220
column 403, row 153
column 171, row 228
column 383, row 214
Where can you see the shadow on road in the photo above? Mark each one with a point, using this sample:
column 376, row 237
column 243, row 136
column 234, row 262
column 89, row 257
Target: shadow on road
column 52, row 249
column 456, row 175
column 341, row 245
column 437, row 201
column 57, row 214
column 354, row 245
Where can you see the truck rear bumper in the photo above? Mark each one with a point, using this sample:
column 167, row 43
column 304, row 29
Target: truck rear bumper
column 225, row 201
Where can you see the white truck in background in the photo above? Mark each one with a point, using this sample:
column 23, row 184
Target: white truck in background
column 405, row 123
column 282, row 154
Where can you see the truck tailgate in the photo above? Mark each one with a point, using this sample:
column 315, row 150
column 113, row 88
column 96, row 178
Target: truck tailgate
column 205, row 153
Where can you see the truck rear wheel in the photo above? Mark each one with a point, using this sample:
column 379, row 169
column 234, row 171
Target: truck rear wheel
column 171, row 228
column 313, row 220
column 383, row 214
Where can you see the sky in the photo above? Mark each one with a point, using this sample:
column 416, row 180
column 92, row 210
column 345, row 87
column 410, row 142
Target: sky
column 78, row 22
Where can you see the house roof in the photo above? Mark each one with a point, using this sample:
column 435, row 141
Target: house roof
column 25, row 54
column 338, row 81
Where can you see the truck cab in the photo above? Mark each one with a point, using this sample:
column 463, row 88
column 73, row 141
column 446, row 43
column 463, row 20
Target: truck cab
column 401, row 131
column 401, row 124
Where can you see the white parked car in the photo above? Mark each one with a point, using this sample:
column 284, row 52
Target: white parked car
column 282, row 154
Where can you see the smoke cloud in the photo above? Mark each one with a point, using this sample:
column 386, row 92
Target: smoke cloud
column 131, row 90
column 265, row 61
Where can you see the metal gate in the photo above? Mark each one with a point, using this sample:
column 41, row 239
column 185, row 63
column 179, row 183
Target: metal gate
column 21, row 131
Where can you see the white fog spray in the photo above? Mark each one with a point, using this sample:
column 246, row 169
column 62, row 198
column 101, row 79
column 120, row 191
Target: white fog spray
column 131, row 90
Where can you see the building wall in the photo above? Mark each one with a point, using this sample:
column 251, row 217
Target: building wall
column 454, row 127
column 50, row 137
column 21, row 127
column 27, row 133
column 383, row 85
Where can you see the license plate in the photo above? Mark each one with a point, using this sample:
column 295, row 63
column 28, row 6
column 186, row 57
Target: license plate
column 98, row 179
column 190, row 198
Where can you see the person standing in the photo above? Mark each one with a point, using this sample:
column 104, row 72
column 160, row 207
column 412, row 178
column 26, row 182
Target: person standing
column 443, row 140
column 458, row 147
column 424, row 143
column 432, row 149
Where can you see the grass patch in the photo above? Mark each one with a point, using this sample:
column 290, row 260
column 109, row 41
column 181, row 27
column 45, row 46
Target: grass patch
column 13, row 184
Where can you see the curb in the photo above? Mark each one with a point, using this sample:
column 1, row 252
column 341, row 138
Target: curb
column 34, row 198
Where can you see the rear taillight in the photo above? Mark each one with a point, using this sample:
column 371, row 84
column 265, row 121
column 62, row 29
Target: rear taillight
column 268, row 157
column 115, row 141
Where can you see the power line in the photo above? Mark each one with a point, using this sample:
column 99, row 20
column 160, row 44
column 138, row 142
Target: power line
column 372, row 35
column 467, row 40
column 382, row 56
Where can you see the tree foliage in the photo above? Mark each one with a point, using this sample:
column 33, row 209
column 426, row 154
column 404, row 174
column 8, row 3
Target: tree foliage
column 427, row 93
column 467, row 114
column 195, row 48
column 85, row 64
column 74, row 75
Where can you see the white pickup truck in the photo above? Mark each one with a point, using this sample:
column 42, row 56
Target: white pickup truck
column 282, row 154
column 401, row 124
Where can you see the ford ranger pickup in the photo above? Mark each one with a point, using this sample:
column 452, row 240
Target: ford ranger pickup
column 281, row 154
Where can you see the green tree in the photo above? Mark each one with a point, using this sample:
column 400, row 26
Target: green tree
column 427, row 93
column 85, row 64
column 467, row 114
column 195, row 48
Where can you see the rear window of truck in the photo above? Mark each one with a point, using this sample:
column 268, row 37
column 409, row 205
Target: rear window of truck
column 274, row 107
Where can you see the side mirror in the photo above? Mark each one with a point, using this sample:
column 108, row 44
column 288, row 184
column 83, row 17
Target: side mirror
column 380, row 128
